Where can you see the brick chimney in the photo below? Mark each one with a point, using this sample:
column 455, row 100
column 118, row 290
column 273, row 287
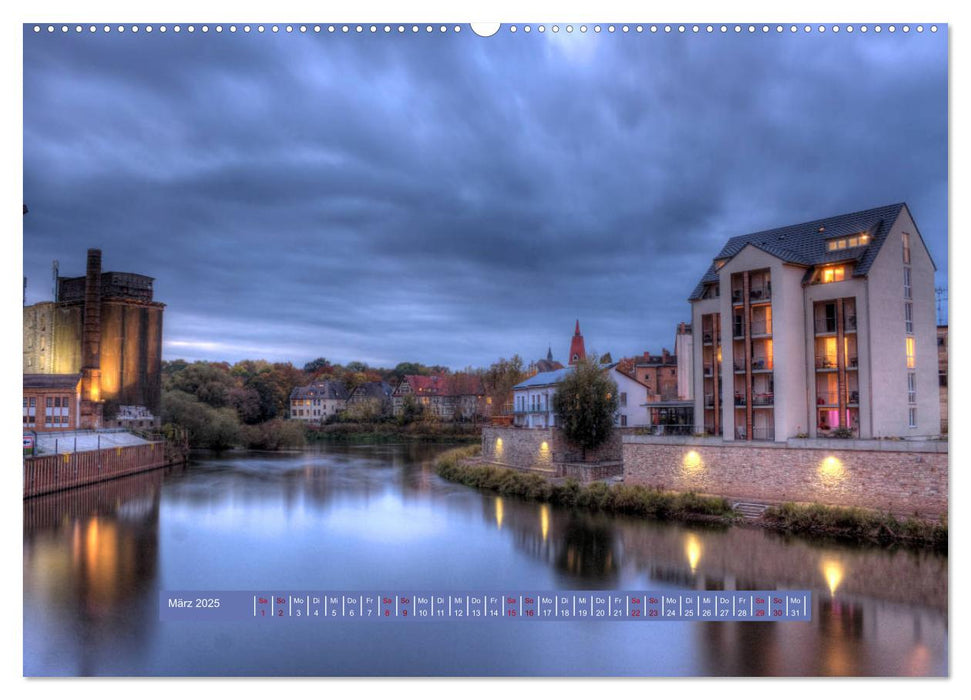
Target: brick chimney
column 91, row 406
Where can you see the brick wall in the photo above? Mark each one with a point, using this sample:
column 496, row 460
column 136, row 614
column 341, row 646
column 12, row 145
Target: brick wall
column 899, row 477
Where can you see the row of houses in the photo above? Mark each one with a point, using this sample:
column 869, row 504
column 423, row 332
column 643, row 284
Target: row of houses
column 819, row 329
column 453, row 397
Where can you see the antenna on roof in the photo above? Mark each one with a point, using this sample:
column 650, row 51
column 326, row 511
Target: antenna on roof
column 941, row 293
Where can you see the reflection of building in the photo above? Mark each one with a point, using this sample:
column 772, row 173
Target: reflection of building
column 317, row 402
column 819, row 328
column 107, row 327
column 52, row 401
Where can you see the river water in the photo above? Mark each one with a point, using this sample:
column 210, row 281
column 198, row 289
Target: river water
column 376, row 517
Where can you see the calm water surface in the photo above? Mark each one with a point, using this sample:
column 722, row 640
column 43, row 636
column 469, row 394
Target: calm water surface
column 377, row 517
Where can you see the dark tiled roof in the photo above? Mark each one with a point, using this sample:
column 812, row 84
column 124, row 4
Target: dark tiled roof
column 51, row 381
column 329, row 389
column 372, row 390
column 459, row 384
column 805, row 244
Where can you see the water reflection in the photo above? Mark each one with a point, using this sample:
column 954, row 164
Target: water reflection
column 377, row 517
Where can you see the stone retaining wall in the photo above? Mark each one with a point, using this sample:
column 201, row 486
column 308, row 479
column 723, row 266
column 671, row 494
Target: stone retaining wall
column 547, row 450
column 902, row 477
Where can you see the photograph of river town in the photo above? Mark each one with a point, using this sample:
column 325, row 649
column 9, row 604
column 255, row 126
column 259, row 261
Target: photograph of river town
column 344, row 320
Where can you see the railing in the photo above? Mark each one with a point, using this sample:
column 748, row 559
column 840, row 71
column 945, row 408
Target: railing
column 664, row 429
column 766, row 433
column 766, row 399
column 61, row 471
column 527, row 411
column 710, row 400
column 739, row 400
column 761, row 364
column 760, row 293
column 827, row 398
column 825, row 363
column 828, row 325
column 825, row 325
column 739, row 366
column 761, row 328
column 737, row 296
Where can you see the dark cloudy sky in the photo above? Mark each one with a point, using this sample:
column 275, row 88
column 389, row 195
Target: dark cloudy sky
column 453, row 199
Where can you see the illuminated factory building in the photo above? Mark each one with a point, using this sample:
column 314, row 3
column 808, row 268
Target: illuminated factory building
column 106, row 327
column 826, row 328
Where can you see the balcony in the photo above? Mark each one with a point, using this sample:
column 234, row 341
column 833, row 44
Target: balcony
column 766, row 433
column 854, row 398
column 827, row 398
column 826, row 363
column 710, row 400
column 739, row 367
column 764, row 399
column 761, row 328
column 737, row 296
column 761, row 364
column 740, row 400
column 825, row 325
column 760, row 294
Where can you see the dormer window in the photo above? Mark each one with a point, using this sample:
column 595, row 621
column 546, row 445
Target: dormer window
column 853, row 241
column 836, row 273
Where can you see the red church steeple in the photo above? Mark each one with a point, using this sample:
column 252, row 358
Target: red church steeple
column 577, row 351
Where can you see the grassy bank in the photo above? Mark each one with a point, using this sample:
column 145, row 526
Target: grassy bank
column 392, row 432
column 619, row 498
column 856, row 524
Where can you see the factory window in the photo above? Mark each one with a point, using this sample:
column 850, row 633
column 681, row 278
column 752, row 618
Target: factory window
column 912, row 417
column 905, row 237
column 909, row 316
column 907, row 286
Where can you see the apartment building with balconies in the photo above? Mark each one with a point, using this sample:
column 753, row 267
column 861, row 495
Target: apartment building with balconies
column 825, row 328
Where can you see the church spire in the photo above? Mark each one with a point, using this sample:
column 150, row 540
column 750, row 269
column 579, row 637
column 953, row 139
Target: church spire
column 577, row 351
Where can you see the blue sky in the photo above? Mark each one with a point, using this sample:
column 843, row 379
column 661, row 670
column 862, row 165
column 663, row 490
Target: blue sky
column 450, row 199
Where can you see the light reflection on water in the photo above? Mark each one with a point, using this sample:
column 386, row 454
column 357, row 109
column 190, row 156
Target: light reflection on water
column 377, row 518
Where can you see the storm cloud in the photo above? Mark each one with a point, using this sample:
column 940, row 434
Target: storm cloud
column 450, row 199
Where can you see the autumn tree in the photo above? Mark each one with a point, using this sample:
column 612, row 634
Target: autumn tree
column 499, row 380
column 585, row 403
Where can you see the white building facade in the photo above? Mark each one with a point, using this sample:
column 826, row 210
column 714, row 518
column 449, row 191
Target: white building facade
column 821, row 329
column 533, row 399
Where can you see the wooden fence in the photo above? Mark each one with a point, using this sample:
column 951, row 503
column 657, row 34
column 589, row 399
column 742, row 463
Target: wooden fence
column 63, row 471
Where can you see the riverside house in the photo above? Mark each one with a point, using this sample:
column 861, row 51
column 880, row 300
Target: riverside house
column 822, row 328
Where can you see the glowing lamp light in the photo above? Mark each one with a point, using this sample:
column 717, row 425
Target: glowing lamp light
column 692, row 550
column 691, row 461
column 831, row 470
column 498, row 447
column 833, row 573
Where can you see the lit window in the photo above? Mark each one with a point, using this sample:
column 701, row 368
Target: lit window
column 910, row 353
column 833, row 274
column 905, row 237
